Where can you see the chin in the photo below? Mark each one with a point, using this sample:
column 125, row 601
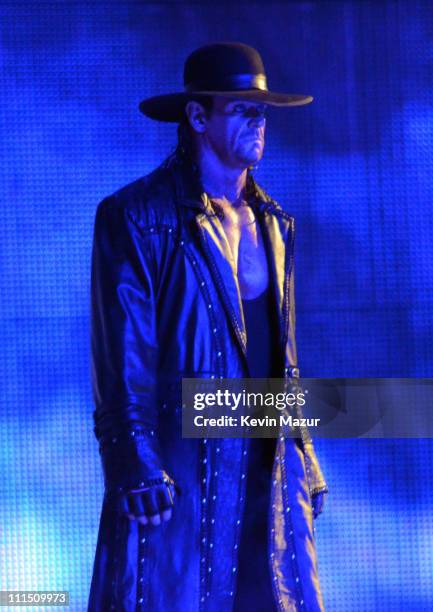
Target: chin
column 254, row 159
column 249, row 156
column 253, row 155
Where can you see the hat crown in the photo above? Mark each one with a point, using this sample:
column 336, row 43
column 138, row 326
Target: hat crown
column 216, row 62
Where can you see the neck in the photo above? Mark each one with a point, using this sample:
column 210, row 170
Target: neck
column 220, row 180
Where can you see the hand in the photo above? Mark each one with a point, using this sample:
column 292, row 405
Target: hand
column 149, row 504
column 317, row 502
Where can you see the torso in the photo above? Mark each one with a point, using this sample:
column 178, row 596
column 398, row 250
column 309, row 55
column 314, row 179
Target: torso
column 246, row 244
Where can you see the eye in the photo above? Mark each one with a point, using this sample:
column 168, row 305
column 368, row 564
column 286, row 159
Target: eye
column 239, row 108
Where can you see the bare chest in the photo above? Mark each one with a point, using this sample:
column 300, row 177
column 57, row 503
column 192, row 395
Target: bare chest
column 248, row 252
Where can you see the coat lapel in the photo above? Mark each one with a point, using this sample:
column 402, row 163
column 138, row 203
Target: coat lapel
column 277, row 236
column 221, row 265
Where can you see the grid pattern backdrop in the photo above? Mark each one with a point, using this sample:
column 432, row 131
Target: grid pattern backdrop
column 355, row 168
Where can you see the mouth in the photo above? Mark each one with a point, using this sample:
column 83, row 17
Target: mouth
column 256, row 139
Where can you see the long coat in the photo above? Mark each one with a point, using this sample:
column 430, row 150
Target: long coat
column 166, row 304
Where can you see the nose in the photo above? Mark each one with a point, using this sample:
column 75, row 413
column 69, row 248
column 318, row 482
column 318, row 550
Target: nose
column 257, row 120
column 257, row 116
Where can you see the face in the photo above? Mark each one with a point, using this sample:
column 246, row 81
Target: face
column 235, row 131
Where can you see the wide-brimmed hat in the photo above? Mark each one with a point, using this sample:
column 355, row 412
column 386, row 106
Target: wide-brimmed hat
column 229, row 69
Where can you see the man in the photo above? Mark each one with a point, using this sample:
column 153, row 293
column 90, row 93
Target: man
column 192, row 276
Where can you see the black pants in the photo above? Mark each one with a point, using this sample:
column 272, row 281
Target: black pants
column 254, row 588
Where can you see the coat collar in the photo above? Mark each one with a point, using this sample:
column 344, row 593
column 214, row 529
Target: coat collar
column 277, row 230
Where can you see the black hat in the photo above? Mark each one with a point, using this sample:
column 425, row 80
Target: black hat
column 230, row 69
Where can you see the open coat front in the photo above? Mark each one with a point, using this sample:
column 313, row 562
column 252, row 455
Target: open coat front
column 165, row 305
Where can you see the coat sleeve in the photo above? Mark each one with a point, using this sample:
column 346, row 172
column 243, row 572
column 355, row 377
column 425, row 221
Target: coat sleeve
column 124, row 350
column 316, row 480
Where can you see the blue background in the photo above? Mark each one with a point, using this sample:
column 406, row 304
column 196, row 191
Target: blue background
column 355, row 168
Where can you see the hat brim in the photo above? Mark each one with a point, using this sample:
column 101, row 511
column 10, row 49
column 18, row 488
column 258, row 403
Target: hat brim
column 170, row 107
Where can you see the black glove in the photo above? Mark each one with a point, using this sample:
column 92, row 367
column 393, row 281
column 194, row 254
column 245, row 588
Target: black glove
column 149, row 504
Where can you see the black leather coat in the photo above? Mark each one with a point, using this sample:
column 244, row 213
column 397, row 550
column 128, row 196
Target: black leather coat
column 165, row 305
